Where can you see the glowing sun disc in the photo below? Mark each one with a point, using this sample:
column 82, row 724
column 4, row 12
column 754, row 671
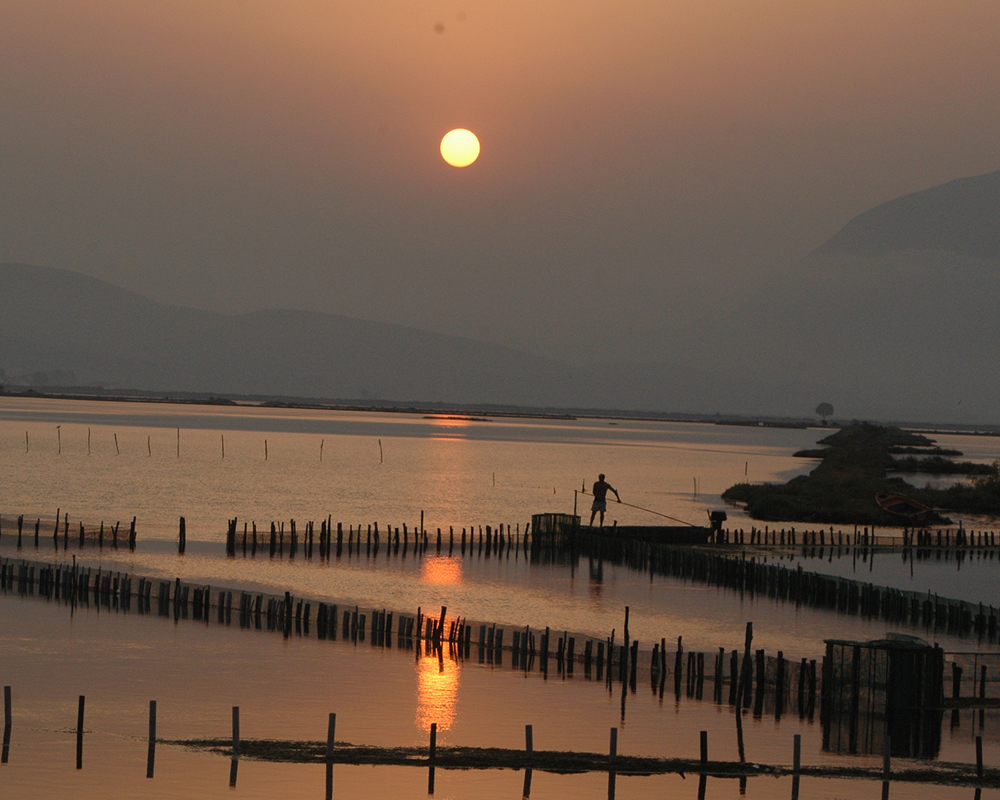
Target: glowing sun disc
column 460, row 147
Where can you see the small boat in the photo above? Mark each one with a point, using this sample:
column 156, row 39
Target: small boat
column 902, row 506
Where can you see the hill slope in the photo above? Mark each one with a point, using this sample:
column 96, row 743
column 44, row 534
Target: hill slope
column 66, row 329
column 895, row 317
column 961, row 217
column 62, row 327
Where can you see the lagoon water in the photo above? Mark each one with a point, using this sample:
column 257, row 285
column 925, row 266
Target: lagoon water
column 112, row 461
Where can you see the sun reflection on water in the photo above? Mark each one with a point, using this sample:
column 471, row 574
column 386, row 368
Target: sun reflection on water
column 441, row 571
column 437, row 692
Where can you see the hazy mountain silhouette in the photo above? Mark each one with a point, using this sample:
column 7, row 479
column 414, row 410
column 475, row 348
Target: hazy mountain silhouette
column 894, row 317
column 61, row 328
column 961, row 217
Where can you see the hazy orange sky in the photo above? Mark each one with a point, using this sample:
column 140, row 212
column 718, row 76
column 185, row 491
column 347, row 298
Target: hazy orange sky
column 639, row 160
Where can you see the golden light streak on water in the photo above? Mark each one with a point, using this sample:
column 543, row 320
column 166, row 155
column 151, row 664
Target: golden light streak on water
column 437, row 692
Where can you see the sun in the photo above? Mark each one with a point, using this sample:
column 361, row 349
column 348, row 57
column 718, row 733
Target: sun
column 460, row 147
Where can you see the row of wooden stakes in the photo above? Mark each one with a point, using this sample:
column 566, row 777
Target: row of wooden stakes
column 860, row 537
column 748, row 574
column 329, row 544
column 611, row 660
column 528, row 759
column 95, row 536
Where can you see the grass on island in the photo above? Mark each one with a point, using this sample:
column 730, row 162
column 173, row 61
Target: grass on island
column 855, row 465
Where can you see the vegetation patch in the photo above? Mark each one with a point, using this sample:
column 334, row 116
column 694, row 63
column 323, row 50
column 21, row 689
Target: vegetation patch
column 855, row 465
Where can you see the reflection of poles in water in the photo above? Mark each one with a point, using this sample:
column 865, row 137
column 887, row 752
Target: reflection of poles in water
column 623, row 664
column 596, row 575
column 704, row 765
column 741, row 691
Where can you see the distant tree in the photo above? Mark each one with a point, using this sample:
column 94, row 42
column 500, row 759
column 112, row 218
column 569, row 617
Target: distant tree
column 824, row 410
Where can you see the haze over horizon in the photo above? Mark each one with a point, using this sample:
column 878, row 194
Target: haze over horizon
column 643, row 168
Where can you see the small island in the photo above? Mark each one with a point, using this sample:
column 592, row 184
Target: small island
column 864, row 459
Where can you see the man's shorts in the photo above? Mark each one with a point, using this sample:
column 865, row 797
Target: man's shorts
column 599, row 505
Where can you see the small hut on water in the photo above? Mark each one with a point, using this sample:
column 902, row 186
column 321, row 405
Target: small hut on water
column 888, row 687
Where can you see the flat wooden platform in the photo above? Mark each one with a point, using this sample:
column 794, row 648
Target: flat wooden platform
column 657, row 534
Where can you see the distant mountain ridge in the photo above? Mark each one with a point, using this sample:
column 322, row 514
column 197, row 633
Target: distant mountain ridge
column 62, row 328
column 893, row 318
column 962, row 217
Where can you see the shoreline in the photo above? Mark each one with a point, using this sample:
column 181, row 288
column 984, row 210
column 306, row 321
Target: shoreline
column 467, row 410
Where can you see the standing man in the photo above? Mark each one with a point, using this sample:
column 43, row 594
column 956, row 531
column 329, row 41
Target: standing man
column 601, row 489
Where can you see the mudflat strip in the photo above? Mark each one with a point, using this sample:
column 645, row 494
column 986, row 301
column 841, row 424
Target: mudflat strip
column 314, row 752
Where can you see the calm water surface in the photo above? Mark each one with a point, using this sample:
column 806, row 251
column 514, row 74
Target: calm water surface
column 387, row 468
column 285, row 688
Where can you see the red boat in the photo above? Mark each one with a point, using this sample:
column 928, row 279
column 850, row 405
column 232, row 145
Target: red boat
column 902, row 506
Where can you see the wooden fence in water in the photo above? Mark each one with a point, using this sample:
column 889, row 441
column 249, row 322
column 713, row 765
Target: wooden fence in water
column 749, row 574
column 779, row 685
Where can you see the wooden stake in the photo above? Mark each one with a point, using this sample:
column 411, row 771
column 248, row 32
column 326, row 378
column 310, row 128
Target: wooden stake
column 886, row 756
column 7, row 713
column 79, row 733
column 796, row 765
column 741, row 691
column 151, row 752
column 330, row 730
column 234, row 764
column 613, row 751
